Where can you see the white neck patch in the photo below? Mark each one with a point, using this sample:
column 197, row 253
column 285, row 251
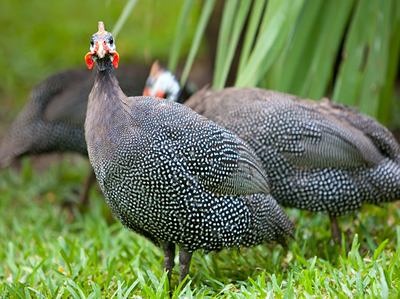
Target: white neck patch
column 168, row 84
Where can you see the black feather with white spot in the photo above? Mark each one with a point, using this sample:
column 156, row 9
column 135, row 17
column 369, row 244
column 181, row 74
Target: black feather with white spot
column 160, row 166
column 319, row 156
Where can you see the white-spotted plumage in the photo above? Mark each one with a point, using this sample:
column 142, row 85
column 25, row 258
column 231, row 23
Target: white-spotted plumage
column 319, row 156
column 175, row 177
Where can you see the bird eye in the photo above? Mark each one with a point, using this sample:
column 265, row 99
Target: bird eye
column 111, row 40
column 91, row 42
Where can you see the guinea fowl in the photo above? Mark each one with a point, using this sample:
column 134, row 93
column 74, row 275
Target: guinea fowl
column 318, row 156
column 53, row 120
column 170, row 174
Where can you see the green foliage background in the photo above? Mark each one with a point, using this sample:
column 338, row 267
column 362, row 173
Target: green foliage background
column 39, row 38
column 347, row 50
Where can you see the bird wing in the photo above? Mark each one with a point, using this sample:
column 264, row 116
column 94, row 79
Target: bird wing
column 70, row 104
column 382, row 138
column 232, row 168
column 223, row 163
column 298, row 131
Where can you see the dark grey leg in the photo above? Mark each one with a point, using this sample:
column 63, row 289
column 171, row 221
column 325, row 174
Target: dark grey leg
column 169, row 254
column 184, row 260
column 83, row 199
column 336, row 233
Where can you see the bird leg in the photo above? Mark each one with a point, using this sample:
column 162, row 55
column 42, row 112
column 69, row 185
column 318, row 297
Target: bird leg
column 184, row 260
column 336, row 233
column 83, row 199
column 169, row 254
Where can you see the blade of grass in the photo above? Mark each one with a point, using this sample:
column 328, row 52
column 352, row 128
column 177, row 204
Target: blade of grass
column 131, row 288
column 204, row 17
column 66, row 260
column 110, row 272
column 72, row 292
column 259, row 6
column 225, row 29
column 162, row 287
column 74, row 284
column 27, row 294
column 130, row 4
column 96, row 289
column 153, row 279
column 234, row 39
column 179, row 34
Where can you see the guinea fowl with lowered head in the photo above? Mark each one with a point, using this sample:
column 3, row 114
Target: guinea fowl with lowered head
column 53, row 119
column 170, row 174
column 318, row 156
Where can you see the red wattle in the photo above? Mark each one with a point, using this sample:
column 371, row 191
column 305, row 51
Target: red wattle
column 146, row 92
column 89, row 60
column 115, row 59
column 160, row 94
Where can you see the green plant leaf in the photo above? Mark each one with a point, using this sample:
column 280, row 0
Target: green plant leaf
column 203, row 21
column 184, row 15
column 129, row 6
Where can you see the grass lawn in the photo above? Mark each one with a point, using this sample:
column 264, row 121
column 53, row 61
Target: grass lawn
column 44, row 254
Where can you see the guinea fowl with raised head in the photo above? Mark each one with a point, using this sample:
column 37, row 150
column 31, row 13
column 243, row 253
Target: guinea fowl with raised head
column 318, row 156
column 53, row 119
column 170, row 174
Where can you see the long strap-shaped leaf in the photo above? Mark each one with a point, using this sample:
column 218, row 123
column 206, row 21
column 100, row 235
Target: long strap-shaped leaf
column 356, row 53
column 240, row 18
column 393, row 62
column 203, row 21
column 269, row 30
column 332, row 22
column 250, row 36
column 225, row 28
column 374, row 77
column 124, row 16
column 179, row 34
column 364, row 71
column 279, row 44
column 279, row 18
column 286, row 74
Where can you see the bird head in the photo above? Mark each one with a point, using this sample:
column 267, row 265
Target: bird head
column 102, row 47
column 162, row 84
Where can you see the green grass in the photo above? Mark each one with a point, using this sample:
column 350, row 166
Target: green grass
column 43, row 255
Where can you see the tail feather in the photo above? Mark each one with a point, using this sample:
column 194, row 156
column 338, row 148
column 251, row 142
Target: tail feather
column 270, row 223
column 384, row 182
column 281, row 223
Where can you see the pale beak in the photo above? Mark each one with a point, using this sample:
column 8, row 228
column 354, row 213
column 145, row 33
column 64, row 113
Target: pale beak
column 101, row 51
